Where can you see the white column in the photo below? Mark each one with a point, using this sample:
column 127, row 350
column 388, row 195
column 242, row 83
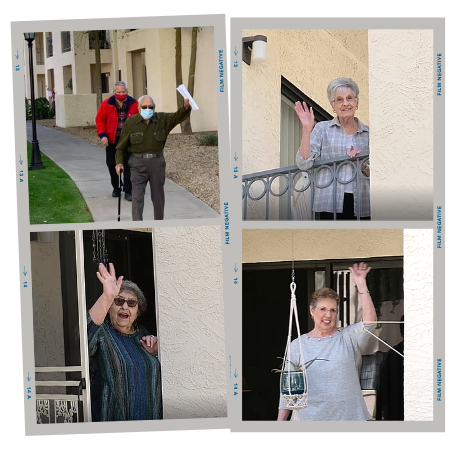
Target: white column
column 401, row 124
column 189, row 293
column 418, row 285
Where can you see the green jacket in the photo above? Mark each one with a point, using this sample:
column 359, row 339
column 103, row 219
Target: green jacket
column 137, row 137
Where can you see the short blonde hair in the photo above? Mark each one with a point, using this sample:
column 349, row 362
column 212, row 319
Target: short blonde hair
column 324, row 293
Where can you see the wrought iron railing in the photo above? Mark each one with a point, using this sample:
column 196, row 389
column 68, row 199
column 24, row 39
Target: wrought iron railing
column 288, row 193
column 58, row 407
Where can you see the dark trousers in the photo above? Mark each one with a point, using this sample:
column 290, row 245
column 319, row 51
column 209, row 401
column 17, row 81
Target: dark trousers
column 348, row 210
column 152, row 170
column 111, row 163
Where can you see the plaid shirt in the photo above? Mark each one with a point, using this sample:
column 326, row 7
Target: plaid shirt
column 122, row 113
column 329, row 140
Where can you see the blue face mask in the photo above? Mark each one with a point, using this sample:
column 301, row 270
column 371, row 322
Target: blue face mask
column 147, row 113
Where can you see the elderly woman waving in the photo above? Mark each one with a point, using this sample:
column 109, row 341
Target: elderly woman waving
column 344, row 136
column 125, row 371
column 334, row 390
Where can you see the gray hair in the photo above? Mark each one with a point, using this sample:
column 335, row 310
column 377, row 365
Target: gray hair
column 120, row 83
column 129, row 286
column 146, row 96
column 341, row 83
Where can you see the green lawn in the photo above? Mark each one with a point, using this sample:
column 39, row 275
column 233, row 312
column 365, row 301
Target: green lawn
column 53, row 196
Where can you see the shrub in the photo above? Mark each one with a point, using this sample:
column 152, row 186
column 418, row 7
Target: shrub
column 28, row 109
column 208, row 139
column 43, row 109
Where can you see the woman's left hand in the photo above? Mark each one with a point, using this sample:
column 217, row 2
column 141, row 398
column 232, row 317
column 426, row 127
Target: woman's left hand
column 150, row 343
column 352, row 152
column 359, row 272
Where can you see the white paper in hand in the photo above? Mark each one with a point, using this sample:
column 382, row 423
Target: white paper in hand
column 184, row 92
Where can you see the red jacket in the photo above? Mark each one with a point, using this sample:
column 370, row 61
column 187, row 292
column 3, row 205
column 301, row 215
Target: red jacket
column 107, row 118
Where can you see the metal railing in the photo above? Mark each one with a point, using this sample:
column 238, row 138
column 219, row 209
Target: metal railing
column 56, row 407
column 288, row 193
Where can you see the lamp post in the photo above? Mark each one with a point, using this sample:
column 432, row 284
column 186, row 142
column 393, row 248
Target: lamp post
column 36, row 161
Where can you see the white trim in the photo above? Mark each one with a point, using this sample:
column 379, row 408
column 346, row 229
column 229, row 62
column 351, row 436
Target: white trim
column 58, row 369
column 82, row 321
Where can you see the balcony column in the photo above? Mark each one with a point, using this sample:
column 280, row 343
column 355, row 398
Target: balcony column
column 401, row 140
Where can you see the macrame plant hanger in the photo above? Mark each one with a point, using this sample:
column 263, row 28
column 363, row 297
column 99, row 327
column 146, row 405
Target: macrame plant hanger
column 293, row 379
column 99, row 253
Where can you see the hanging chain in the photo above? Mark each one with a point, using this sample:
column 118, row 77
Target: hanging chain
column 94, row 246
column 100, row 255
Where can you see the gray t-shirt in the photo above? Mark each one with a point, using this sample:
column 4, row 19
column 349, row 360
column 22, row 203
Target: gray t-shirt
column 334, row 389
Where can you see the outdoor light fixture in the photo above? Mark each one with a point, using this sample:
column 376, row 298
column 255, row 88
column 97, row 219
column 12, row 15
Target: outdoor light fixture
column 29, row 37
column 256, row 45
column 36, row 161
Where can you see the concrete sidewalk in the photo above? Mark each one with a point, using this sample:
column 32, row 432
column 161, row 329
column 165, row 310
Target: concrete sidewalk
column 85, row 163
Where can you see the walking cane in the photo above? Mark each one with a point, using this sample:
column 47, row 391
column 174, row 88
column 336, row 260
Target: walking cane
column 120, row 193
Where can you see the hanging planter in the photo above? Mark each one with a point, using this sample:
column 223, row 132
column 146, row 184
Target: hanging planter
column 292, row 383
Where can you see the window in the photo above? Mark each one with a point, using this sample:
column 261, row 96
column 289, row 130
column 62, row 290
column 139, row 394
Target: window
column 65, row 41
column 291, row 133
column 104, row 38
column 49, row 45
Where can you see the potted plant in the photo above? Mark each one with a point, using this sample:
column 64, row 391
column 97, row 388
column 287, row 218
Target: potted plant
column 292, row 381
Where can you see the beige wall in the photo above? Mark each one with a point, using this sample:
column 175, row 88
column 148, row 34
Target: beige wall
column 419, row 361
column 401, row 119
column 47, row 311
column 191, row 321
column 309, row 59
column 276, row 245
column 76, row 110
column 159, row 47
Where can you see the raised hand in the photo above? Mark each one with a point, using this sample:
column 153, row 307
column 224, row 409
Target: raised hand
column 359, row 272
column 150, row 343
column 306, row 116
column 111, row 285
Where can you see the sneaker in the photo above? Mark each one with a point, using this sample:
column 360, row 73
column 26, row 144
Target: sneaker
column 128, row 196
column 116, row 192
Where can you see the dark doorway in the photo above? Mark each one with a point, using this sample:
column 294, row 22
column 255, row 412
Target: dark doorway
column 132, row 255
column 265, row 314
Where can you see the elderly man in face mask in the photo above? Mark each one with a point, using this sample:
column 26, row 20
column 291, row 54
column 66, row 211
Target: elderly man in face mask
column 144, row 136
column 111, row 116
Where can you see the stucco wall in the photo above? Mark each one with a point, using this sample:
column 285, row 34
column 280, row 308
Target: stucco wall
column 159, row 47
column 309, row 59
column 76, row 110
column 418, row 275
column 276, row 245
column 47, row 304
column 191, row 321
column 401, row 119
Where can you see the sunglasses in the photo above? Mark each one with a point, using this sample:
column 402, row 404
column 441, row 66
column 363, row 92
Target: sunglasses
column 119, row 301
column 147, row 107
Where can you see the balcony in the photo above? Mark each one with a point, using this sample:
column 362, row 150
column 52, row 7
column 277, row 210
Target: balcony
column 40, row 56
column 288, row 193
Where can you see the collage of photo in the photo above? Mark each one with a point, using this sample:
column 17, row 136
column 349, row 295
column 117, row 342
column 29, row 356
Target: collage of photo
column 192, row 246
